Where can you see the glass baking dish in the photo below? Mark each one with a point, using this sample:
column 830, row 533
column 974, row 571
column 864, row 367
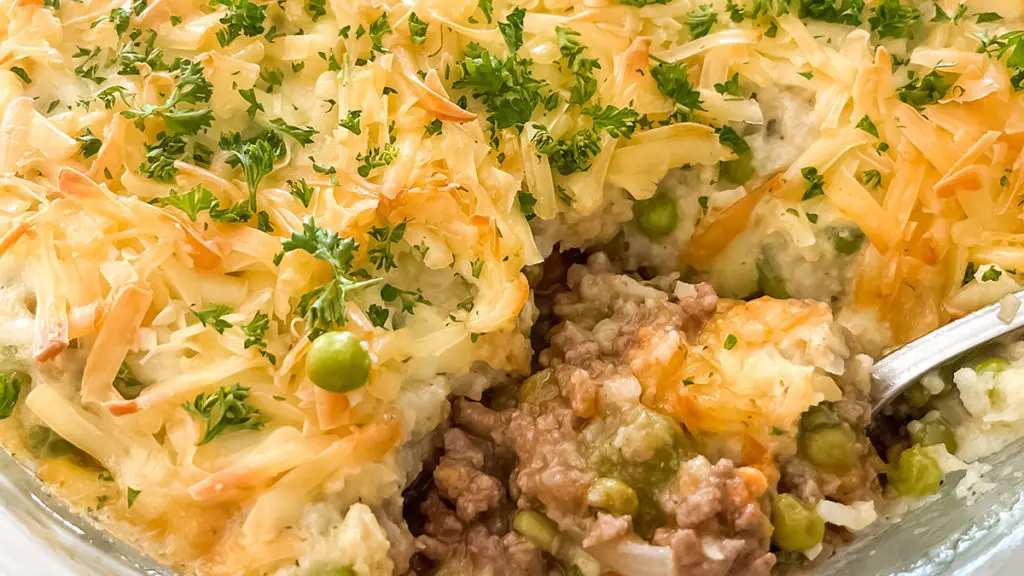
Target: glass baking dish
column 949, row 535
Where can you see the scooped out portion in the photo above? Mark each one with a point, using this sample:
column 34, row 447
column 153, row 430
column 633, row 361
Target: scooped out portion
column 667, row 431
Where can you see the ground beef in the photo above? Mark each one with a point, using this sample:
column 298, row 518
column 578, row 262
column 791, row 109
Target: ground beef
column 721, row 529
column 551, row 469
column 608, row 527
column 606, row 318
column 460, row 478
column 484, row 543
column 585, row 414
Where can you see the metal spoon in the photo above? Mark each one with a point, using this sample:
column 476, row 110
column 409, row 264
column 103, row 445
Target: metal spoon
column 892, row 375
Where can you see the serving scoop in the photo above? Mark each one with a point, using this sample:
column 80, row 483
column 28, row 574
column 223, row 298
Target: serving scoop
column 892, row 375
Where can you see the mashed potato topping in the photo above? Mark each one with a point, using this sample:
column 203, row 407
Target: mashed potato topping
column 249, row 250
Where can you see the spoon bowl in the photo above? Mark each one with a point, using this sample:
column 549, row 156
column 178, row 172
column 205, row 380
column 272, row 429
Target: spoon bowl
column 892, row 375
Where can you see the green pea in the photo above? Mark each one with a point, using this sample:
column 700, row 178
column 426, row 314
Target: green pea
column 11, row 383
column 769, row 279
column 538, row 388
column 337, row 362
column 613, row 495
column 797, row 527
column 738, row 171
column 917, row 396
column 916, row 474
column 994, row 365
column 831, row 447
column 330, row 570
column 932, row 429
column 819, row 416
column 538, row 529
column 846, row 239
column 656, row 216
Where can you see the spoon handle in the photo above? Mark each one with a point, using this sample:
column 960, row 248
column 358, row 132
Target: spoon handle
column 892, row 375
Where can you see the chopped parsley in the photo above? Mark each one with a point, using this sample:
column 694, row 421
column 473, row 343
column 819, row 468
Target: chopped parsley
column 477, row 267
column 985, row 17
column 88, row 144
column 506, row 86
column 1011, row 45
column 301, row 191
column 160, row 157
column 672, row 81
column 701, row 20
column 379, row 28
column 417, row 29
column 526, row 203
column 351, row 122
column 243, row 17
column 132, row 495
column 867, row 125
column 969, row 273
column 891, row 19
column 381, row 254
column 991, row 274
column 921, row 91
column 376, row 157
column 730, row 342
column 214, row 317
column 191, row 203
column 487, row 7
column 190, row 87
column 226, row 410
column 433, row 127
column 847, row 12
column 568, row 156
column 272, row 77
column 730, row 87
column 256, row 335
column 316, row 9
column 941, row 16
column 872, row 178
column 408, row 299
column 254, row 104
column 303, row 134
column 378, row 315
column 324, row 307
column 582, row 69
column 815, row 183
column 512, row 29
column 617, row 122
column 20, row 73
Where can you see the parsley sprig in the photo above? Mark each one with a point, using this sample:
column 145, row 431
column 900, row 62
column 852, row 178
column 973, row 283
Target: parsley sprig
column 324, row 307
column 673, row 82
column 894, row 20
column 849, row 12
column 921, row 91
column 506, row 86
column 256, row 335
column 582, row 69
column 701, row 20
column 382, row 254
column 571, row 155
column 243, row 17
column 190, row 87
column 226, row 410
column 1011, row 45
column 214, row 317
